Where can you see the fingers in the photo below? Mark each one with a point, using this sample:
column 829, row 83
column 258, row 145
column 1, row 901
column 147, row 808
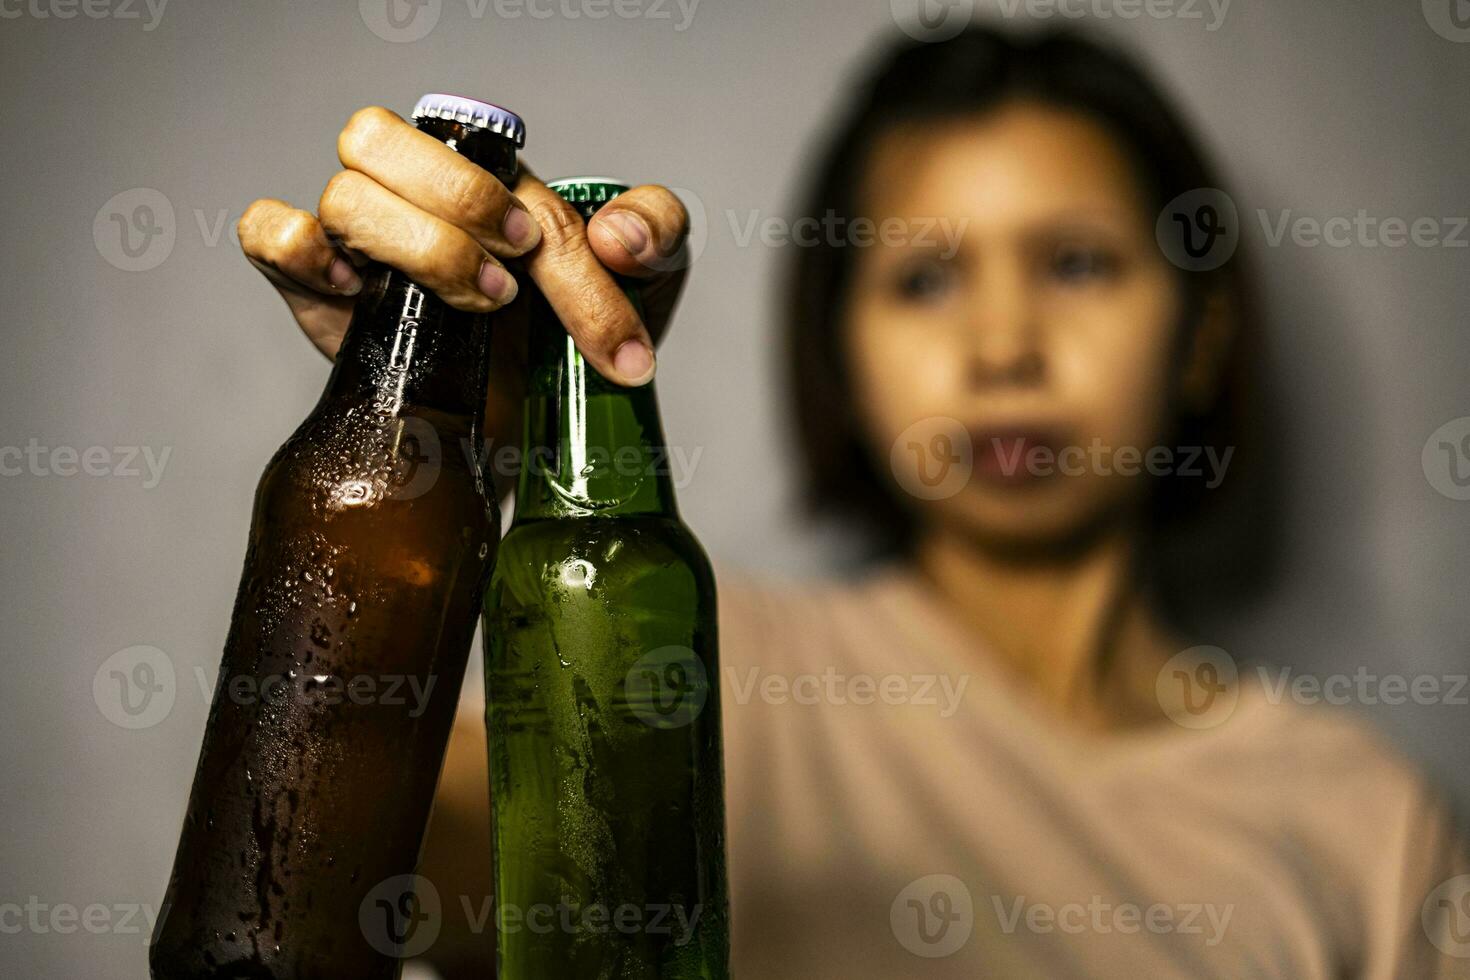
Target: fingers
column 410, row 202
column 641, row 232
column 419, row 168
column 291, row 243
column 290, row 247
column 589, row 302
column 364, row 216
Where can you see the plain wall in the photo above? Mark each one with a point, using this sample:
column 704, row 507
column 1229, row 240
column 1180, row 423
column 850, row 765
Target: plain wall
column 1323, row 109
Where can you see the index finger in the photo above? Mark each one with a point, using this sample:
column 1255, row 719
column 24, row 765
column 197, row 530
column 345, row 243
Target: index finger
column 582, row 291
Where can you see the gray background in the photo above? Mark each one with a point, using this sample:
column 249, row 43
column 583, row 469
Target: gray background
column 1320, row 108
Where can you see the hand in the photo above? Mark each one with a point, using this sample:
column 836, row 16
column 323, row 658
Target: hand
column 452, row 225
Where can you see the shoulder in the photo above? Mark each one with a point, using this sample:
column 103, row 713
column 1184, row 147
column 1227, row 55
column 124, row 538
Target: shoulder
column 1324, row 765
column 1335, row 751
column 1378, row 834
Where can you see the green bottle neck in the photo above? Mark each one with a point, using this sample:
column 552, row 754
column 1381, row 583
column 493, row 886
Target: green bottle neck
column 590, row 448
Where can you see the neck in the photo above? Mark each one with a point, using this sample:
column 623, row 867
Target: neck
column 405, row 348
column 1075, row 627
column 590, row 448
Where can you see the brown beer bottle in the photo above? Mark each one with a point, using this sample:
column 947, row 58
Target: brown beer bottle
column 372, row 540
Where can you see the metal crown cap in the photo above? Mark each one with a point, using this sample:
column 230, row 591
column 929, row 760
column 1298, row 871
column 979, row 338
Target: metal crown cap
column 588, row 194
column 472, row 112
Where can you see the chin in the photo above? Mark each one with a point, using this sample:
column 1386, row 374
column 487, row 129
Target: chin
column 1035, row 523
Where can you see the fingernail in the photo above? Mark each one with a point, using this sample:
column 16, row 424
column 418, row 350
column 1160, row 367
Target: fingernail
column 343, row 278
column 629, row 229
column 634, row 361
column 519, row 230
column 496, row 283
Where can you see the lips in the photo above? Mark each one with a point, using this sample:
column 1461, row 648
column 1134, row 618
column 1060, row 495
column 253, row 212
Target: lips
column 1015, row 454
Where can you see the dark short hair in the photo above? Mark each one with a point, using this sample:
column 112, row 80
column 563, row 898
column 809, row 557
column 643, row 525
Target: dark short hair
column 843, row 475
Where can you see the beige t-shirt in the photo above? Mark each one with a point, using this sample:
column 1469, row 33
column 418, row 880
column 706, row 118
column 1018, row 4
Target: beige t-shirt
column 900, row 808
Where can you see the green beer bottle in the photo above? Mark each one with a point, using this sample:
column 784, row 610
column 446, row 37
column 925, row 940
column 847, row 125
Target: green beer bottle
column 603, row 713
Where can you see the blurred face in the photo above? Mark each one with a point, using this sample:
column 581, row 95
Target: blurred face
column 1011, row 330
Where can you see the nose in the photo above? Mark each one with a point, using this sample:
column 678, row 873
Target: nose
column 1006, row 337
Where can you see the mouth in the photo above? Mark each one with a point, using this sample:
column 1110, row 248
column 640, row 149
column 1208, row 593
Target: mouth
column 1016, row 455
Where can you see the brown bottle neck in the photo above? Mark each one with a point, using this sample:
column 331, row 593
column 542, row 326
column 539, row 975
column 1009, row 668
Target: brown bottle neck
column 407, row 349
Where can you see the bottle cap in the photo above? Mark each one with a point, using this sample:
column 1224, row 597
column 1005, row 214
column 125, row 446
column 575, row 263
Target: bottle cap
column 588, row 194
column 472, row 112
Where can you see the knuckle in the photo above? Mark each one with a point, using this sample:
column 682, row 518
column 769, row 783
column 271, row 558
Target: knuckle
column 249, row 228
column 293, row 231
column 562, row 231
column 339, row 198
column 362, row 128
column 476, row 197
column 272, row 231
column 445, row 260
column 604, row 322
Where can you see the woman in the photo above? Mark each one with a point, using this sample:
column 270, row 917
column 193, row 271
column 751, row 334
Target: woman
column 998, row 751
